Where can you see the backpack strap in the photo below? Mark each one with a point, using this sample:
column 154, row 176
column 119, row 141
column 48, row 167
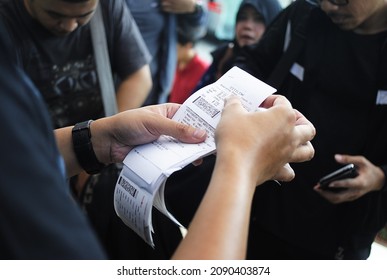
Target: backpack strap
column 293, row 42
column 104, row 72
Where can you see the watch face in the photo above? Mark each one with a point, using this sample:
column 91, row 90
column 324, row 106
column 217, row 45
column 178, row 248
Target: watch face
column 83, row 126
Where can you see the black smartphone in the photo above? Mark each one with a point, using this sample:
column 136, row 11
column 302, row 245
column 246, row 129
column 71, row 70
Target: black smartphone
column 347, row 171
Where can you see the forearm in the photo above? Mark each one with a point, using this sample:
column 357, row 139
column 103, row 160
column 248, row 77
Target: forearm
column 219, row 229
column 65, row 145
column 133, row 91
column 100, row 141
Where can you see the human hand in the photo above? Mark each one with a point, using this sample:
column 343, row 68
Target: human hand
column 262, row 143
column 304, row 152
column 115, row 136
column 370, row 178
column 178, row 6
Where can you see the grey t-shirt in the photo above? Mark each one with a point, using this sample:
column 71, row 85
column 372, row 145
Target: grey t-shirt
column 63, row 68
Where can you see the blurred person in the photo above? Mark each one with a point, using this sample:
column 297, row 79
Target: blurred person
column 158, row 21
column 52, row 44
column 252, row 19
column 34, row 193
column 190, row 68
column 336, row 77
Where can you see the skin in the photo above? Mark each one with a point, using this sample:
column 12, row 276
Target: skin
column 61, row 18
column 115, row 136
column 178, row 6
column 285, row 136
column 250, row 28
column 185, row 53
column 361, row 17
column 242, row 163
column 371, row 178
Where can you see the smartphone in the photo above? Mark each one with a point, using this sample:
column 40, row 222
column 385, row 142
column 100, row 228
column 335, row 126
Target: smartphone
column 347, row 171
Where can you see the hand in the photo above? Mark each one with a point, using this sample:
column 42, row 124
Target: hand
column 304, row 152
column 370, row 178
column 178, row 6
column 115, row 136
column 262, row 143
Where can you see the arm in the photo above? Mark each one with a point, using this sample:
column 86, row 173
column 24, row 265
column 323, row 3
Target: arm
column 241, row 164
column 191, row 16
column 133, row 91
column 113, row 137
column 179, row 6
column 129, row 56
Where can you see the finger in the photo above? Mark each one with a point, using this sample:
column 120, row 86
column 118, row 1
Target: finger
column 232, row 101
column 166, row 109
column 337, row 197
column 285, row 174
column 304, row 134
column 232, row 106
column 304, row 152
column 345, row 159
column 159, row 123
column 197, row 162
column 331, row 197
column 185, row 133
column 274, row 100
column 172, row 109
column 301, row 119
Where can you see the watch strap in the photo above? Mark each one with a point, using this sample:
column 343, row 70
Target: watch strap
column 83, row 148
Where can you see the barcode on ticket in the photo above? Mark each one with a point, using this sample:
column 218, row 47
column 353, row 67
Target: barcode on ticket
column 127, row 186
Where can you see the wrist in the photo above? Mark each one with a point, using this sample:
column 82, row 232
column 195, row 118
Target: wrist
column 235, row 164
column 83, row 148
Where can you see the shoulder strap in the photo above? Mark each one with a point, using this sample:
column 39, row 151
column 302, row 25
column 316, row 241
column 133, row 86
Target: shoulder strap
column 293, row 42
column 104, row 72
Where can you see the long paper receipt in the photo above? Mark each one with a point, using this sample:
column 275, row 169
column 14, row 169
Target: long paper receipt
column 146, row 168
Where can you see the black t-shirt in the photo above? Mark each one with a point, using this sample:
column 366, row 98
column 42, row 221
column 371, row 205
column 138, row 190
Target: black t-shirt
column 336, row 83
column 63, row 68
column 39, row 218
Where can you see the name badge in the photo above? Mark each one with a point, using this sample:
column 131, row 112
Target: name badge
column 381, row 98
column 298, row 71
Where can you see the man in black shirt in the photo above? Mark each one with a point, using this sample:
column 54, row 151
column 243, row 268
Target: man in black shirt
column 337, row 77
column 52, row 44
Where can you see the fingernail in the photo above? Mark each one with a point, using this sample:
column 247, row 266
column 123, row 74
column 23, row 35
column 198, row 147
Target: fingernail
column 338, row 157
column 199, row 133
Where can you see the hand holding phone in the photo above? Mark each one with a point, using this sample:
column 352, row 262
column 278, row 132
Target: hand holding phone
column 347, row 171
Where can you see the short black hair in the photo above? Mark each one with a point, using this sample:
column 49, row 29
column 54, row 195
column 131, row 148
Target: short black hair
column 183, row 39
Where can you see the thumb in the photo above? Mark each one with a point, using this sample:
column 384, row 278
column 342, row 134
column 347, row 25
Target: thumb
column 183, row 132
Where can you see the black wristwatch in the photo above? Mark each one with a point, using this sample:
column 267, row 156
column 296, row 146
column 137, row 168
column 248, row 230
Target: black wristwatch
column 83, row 148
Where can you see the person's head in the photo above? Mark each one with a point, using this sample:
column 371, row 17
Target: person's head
column 356, row 14
column 61, row 17
column 252, row 18
column 185, row 46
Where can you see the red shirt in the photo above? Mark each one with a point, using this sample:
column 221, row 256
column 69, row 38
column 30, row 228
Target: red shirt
column 187, row 79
